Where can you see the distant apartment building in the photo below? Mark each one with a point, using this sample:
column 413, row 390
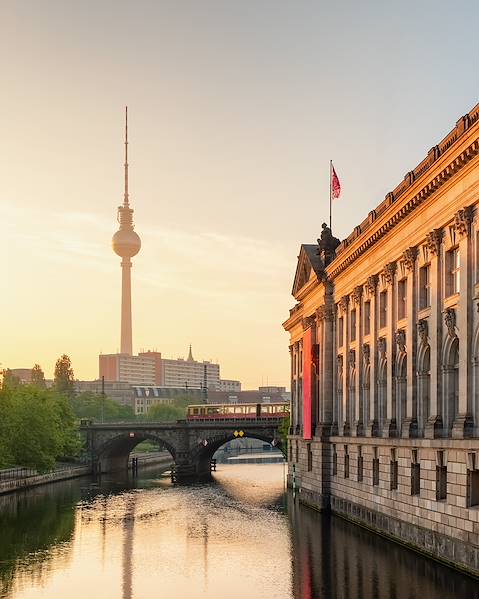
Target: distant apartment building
column 149, row 368
column 136, row 370
column 24, row 375
column 229, row 385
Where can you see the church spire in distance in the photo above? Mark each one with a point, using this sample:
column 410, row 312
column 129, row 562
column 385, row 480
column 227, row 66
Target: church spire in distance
column 190, row 356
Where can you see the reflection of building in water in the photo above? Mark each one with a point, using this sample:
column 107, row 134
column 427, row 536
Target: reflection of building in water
column 384, row 342
column 332, row 559
column 128, row 540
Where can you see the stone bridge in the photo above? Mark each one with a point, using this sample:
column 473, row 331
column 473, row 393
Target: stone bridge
column 192, row 444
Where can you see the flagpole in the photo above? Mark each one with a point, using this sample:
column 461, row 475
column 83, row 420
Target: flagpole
column 330, row 186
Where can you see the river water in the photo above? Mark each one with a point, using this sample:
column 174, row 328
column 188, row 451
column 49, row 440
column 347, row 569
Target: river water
column 237, row 537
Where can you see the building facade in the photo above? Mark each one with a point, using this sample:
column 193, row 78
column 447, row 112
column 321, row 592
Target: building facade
column 135, row 370
column 385, row 360
column 229, row 385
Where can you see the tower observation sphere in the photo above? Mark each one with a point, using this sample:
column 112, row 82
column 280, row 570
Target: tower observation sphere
column 126, row 243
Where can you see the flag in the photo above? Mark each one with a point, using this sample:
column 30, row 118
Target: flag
column 335, row 184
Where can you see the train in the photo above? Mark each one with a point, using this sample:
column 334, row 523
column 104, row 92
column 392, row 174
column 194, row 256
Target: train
column 243, row 411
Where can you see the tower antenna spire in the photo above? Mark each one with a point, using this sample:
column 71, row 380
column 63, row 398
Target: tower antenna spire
column 126, row 198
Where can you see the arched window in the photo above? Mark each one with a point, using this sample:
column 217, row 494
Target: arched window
column 381, row 394
column 365, row 396
column 451, row 382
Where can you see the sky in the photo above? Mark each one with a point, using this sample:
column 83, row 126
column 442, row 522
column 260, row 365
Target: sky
column 235, row 109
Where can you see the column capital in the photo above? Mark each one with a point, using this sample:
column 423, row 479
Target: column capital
column 382, row 347
column 434, row 240
column 366, row 353
column 450, row 321
column 409, row 257
column 356, row 294
column 462, row 221
column 423, row 331
column 308, row 321
column 343, row 303
column 372, row 283
column 389, row 271
column 400, row 338
column 325, row 312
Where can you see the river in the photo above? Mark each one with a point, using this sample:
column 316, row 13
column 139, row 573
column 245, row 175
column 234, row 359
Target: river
column 237, row 537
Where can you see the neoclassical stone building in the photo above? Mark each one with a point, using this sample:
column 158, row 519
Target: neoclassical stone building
column 385, row 360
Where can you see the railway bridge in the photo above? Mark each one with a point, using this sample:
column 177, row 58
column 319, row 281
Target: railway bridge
column 191, row 444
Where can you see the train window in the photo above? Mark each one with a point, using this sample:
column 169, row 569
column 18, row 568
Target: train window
column 196, row 411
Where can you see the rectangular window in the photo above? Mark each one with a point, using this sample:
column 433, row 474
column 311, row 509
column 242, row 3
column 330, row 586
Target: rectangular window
column 340, row 332
column 393, row 471
column 383, row 309
column 335, row 461
column 452, row 271
column 367, row 318
column 375, row 468
column 424, row 287
column 310, row 457
column 472, row 487
column 360, row 464
column 353, row 325
column 402, row 299
column 441, row 477
column 415, row 473
column 346, row 462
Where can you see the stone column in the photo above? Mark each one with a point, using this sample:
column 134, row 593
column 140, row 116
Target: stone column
column 434, row 424
column 345, row 424
column 291, row 403
column 326, row 315
column 358, row 428
column 409, row 424
column 390, row 426
column 463, row 423
column 372, row 428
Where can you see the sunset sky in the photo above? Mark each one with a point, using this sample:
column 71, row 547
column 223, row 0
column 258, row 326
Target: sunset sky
column 235, row 109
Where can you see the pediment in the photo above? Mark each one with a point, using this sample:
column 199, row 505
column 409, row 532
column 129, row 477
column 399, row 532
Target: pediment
column 308, row 267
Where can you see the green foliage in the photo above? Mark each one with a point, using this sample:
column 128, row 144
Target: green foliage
column 284, row 431
column 169, row 412
column 38, row 376
column 9, row 379
column 37, row 427
column 96, row 407
column 63, row 378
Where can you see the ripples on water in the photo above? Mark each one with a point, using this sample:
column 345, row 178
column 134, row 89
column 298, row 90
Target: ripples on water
column 228, row 539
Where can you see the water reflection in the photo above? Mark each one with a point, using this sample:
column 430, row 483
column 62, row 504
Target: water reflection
column 336, row 560
column 134, row 539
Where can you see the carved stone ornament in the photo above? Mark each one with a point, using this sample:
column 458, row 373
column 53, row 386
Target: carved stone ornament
column 423, row 331
column 389, row 271
column 401, row 340
column 343, row 303
column 434, row 240
column 462, row 221
column 356, row 294
column 372, row 283
column 366, row 353
column 382, row 347
column 450, row 321
column 409, row 257
column 352, row 357
column 325, row 312
column 339, row 362
column 308, row 321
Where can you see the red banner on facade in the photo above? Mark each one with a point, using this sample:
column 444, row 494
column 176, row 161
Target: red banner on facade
column 307, row 380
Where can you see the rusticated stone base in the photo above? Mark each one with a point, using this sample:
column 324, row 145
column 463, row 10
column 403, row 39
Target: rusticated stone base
column 452, row 551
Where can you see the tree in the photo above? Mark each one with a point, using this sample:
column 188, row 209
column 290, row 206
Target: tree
column 10, row 380
column 90, row 405
column 63, row 378
column 38, row 376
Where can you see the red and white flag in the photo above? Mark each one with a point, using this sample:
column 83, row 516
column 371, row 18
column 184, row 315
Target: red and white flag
column 335, row 184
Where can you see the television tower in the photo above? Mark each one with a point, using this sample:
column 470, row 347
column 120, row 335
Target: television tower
column 126, row 243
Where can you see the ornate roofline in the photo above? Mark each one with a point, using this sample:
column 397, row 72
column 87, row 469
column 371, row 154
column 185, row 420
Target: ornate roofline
column 339, row 264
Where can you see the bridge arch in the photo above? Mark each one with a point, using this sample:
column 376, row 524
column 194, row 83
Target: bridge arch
column 112, row 454
column 201, row 453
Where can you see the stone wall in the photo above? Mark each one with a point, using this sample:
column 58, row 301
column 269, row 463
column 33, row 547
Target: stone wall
column 447, row 529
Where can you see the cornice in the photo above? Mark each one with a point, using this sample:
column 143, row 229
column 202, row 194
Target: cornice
column 391, row 219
